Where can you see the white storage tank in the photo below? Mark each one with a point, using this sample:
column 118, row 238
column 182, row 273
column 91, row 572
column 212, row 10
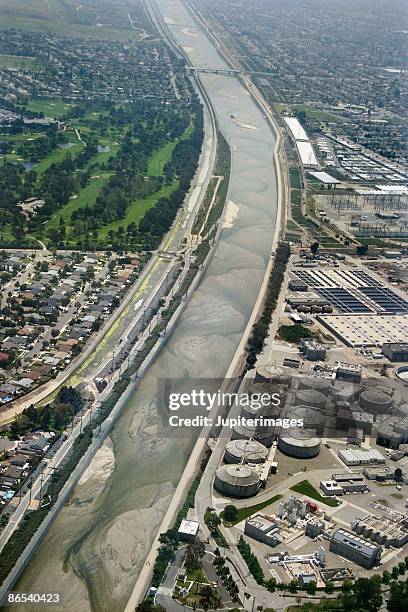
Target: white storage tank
column 299, row 443
column 237, row 481
column 265, row 435
column 312, row 418
column 249, row 451
column 310, row 397
column 273, row 374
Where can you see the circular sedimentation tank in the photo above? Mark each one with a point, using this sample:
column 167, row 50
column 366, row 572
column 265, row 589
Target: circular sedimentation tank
column 237, row 481
column 265, row 435
column 273, row 374
column 372, row 400
column 310, row 397
column 316, row 383
column 313, row 418
column 250, row 451
column 299, row 443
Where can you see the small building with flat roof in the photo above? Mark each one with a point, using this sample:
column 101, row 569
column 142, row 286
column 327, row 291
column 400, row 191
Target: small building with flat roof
column 188, row 530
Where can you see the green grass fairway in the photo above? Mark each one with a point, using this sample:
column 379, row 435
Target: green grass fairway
column 243, row 513
column 87, row 195
column 305, row 488
column 160, row 158
column 50, row 108
column 136, row 211
column 57, row 156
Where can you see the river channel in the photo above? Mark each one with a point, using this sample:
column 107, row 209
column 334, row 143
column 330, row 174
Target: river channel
column 97, row 545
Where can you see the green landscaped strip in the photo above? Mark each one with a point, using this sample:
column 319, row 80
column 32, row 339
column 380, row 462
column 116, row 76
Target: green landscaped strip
column 160, row 158
column 243, row 513
column 137, row 209
column 305, row 488
column 86, row 196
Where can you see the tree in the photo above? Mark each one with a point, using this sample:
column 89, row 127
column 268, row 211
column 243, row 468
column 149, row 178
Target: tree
column 362, row 249
column 195, row 551
column 329, row 588
column 386, row 577
column 230, row 513
column 397, row 601
column 311, row 588
column 314, row 247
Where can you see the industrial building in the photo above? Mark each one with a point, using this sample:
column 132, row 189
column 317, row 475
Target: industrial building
column 247, row 451
column 299, row 443
column 314, row 528
column 237, row 481
column 340, row 484
column 379, row 473
column 297, row 285
column 263, row 529
column 392, row 432
column 356, row 549
column 352, row 418
column 370, row 456
column 365, row 330
column 188, row 530
column 312, row 350
column 395, row 351
column 382, row 530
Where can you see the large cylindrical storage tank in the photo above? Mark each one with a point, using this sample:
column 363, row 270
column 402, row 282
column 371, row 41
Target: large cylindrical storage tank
column 264, row 435
column 249, row 451
column 299, row 443
column 312, row 418
column 380, row 539
column 368, row 531
column 310, row 397
column 273, row 374
column 375, row 401
column 237, row 481
column 318, row 383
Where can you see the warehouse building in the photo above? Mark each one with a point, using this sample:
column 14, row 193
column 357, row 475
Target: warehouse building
column 370, row 456
column 263, row 529
column 364, row 330
column 356, row 549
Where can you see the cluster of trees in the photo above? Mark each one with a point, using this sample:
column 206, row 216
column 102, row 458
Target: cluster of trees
column 260, row 328
column 294, row 333
column 114, row 199
column 224, row 573
column 251, row 560
column 54, row 416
